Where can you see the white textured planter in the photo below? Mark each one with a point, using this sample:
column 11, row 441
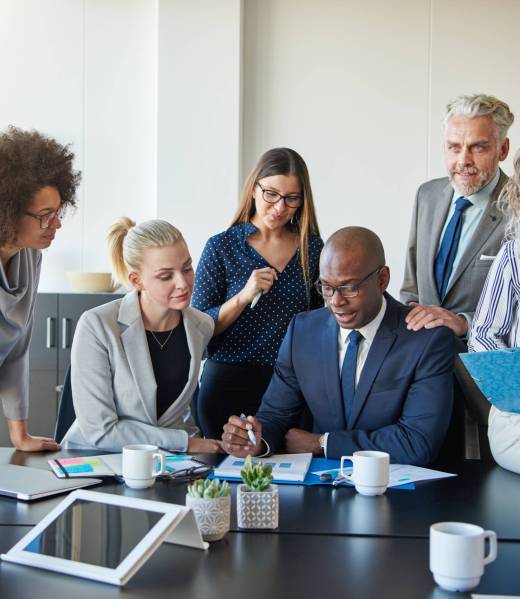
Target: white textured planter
column 257, row 509
column 212, row 515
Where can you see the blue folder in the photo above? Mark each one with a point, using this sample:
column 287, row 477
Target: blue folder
column 497, row 375
column 317, row 465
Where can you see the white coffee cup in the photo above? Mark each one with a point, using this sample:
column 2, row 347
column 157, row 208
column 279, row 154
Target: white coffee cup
column 457, row 556
column 370, row 471
column 141, row 464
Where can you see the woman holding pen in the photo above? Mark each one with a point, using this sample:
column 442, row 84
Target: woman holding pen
column 252, row 279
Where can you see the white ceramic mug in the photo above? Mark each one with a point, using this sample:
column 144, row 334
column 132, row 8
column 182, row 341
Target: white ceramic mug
column 370, row 471
column 457, row 557
column 141, row 464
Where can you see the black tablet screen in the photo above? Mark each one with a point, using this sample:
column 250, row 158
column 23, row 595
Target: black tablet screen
column 94, row 533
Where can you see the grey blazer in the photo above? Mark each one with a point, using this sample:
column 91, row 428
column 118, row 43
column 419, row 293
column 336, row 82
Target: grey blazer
column 432, row 204
column 113, row 384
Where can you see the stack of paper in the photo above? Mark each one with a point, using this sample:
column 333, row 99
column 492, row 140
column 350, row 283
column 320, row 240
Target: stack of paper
column 400, row 474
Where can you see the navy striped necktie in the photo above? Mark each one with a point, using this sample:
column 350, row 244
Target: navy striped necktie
column 449, row 247
column 348, row 372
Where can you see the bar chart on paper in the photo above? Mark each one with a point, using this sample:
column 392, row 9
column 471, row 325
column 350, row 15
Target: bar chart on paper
column 286, row 467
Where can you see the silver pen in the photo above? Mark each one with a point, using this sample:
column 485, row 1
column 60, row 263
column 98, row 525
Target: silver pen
column 256, row 299
column 250, row 433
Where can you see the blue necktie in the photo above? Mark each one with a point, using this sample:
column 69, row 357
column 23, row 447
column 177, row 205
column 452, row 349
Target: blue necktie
column 348, row 372
column 449, row 246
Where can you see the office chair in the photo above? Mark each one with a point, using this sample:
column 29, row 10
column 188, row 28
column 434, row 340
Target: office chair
column 476, row 413
column 66, row 412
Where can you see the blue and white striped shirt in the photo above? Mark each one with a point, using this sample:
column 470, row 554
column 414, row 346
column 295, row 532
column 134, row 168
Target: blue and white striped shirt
column 497, row 320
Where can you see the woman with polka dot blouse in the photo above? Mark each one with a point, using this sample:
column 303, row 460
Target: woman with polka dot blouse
column 271, row 251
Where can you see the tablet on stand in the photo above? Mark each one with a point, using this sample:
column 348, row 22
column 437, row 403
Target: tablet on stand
column 104, row 537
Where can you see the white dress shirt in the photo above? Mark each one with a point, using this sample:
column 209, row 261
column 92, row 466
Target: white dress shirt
column 369, row 332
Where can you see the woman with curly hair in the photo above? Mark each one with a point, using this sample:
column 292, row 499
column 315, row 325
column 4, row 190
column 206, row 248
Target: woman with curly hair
column 497, row 320
column 37, row 183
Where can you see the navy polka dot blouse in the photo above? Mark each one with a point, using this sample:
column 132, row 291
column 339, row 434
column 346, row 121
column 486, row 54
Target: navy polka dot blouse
column 224, row 268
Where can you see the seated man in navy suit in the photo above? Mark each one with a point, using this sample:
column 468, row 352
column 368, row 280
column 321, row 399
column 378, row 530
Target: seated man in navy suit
column 368, row 381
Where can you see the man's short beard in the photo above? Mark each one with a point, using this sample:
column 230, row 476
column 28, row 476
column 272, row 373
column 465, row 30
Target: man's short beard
column 469, row 189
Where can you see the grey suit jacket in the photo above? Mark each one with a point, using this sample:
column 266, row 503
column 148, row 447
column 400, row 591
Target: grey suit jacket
column 432, row 204
column 113, row 384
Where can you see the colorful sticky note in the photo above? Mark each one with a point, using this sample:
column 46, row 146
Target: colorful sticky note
column 79, row 468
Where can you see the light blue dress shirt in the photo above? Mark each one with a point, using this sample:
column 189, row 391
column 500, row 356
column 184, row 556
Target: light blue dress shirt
column 470, row 217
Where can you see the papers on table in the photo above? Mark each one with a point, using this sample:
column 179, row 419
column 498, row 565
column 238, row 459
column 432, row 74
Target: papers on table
column 400, row 474
column 286, row 467
column 102, row 465
column 110, row 465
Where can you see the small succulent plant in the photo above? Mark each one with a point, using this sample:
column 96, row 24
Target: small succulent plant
column 257, row 476
column 209, row 489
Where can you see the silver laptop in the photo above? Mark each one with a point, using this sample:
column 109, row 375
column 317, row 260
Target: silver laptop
column 31, row 483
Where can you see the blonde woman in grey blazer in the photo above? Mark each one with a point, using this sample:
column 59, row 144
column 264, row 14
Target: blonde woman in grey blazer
column 135, row 361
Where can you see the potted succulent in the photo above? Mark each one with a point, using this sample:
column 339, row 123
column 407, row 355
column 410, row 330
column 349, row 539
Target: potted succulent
column 210, row 501
column 257, row 498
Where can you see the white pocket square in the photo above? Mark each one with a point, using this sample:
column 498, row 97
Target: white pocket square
column 484, row 257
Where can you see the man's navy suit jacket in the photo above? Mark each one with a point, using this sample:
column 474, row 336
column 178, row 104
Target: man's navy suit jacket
column 403, row 399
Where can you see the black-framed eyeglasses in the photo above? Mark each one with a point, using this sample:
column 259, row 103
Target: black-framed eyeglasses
column 48, row 217
column 188, row 474
column 345, row 290
column 273, row 197
column 185, row 475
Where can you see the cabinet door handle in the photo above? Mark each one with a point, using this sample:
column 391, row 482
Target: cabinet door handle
column 65, row 333
column 50, row 333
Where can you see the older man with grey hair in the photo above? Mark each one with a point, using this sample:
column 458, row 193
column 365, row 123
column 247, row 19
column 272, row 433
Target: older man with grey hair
column 456, row 227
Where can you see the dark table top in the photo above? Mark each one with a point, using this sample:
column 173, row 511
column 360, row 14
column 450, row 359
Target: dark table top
column 482, row 493
column 259, row 566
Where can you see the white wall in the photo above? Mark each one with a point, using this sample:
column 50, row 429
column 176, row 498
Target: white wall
column 120, row 96
column 168, row 103
column 475, row 48
column 199, row 116
column 84, row 71
column 41, row 55
column 359, row 89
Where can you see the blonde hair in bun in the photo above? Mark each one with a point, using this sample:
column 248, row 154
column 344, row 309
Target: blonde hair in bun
column 127, row 241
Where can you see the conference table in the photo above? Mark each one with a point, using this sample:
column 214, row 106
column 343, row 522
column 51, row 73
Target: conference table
column 329, row 540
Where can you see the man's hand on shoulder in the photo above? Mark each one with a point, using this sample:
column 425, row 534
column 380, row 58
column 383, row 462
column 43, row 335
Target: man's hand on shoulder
column 300, row 441
column 423, row 316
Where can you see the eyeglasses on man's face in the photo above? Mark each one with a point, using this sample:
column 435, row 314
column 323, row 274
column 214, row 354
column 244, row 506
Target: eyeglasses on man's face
column 47, row 218
column 273, row 197
column 346, row 291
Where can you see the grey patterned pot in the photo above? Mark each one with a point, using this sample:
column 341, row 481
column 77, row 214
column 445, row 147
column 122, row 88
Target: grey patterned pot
column 257, row 509
column 212, row 515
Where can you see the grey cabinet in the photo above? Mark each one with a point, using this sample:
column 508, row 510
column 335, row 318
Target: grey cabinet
column 55, row 319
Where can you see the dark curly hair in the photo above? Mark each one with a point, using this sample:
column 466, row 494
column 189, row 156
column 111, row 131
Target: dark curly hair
column 28, row 162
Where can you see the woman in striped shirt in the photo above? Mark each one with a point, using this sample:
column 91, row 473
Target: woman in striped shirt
column 497, row 320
